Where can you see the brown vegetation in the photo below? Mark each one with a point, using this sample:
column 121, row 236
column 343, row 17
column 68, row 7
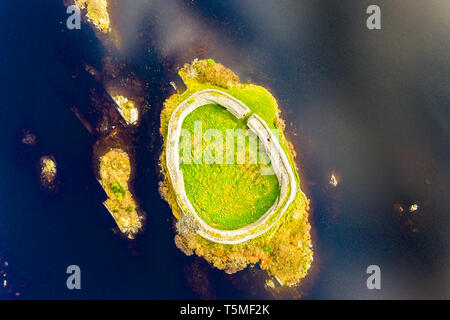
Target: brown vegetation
column 207, row 71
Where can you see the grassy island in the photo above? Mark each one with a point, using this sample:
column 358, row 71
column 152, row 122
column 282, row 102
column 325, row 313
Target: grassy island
column 115, row 171
column 228, row 196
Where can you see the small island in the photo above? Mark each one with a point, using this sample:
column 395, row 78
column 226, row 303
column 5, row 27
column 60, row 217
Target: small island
column 230, row 177
column 115, row 171
column 127, row 109
column 96, row 13
column 48, row 171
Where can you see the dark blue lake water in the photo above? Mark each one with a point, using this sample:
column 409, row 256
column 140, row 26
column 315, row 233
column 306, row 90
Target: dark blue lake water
column 371, row 106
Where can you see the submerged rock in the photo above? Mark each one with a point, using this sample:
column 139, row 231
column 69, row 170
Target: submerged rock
column 28, row 138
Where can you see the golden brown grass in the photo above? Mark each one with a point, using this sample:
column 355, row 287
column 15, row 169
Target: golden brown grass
column 115, row 171
column 97, row 13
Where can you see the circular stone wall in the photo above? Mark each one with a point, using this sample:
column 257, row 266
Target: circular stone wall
column 279, row 161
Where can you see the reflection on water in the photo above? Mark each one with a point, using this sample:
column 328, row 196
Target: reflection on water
column 370, row 106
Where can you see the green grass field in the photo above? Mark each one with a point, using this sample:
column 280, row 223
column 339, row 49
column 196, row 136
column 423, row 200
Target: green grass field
column 226, row 196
